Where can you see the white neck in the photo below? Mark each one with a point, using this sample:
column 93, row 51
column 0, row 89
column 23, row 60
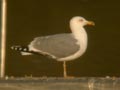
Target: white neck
column 80, row 34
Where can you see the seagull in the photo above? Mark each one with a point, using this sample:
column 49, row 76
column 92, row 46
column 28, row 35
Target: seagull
column 61, row 47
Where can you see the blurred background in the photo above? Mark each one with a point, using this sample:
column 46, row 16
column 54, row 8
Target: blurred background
column 27, row 19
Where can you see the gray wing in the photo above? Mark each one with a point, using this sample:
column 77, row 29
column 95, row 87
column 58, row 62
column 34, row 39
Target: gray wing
column 60, row 45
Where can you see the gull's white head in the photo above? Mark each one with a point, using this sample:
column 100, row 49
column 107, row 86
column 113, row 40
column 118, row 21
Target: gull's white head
column 80, row 22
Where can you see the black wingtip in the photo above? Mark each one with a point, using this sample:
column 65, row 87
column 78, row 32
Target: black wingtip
column 24, row 49
column 20, row 48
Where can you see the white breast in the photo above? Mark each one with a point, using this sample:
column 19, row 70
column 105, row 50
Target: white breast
column 81, row 36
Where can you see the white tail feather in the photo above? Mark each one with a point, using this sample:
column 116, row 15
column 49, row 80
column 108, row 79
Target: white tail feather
column 26, row 53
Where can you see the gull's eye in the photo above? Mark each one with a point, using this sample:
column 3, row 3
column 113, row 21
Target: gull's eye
column 80, row 20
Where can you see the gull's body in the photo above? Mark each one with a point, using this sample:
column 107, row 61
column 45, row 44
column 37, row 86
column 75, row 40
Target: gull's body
column 62, row 47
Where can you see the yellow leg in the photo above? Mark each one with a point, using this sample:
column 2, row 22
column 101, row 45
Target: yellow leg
column 64, row 69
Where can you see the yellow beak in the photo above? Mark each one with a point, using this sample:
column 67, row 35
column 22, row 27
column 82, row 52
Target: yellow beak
column 91, row 23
